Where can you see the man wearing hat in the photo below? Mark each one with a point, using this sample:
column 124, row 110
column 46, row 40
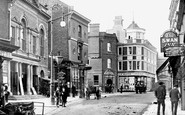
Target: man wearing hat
column 160, row 94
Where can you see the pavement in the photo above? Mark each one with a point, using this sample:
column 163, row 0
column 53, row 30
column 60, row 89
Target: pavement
column 43, row 106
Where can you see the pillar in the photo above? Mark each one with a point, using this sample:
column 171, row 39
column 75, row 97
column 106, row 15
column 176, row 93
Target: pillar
column 20, row 79
column 9, row 76
column 28, row 80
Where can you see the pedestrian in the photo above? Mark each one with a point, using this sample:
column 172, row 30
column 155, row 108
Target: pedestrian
column 160, row 94
column 174, row 97
column 57, row 95
column 64, row 94
column 6, row 93
column 121, row 88
column 73, row 90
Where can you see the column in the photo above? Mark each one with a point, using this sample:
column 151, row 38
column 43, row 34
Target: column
column 17, row 70
column 9, row 76
column 28, row 80
column 20, row 78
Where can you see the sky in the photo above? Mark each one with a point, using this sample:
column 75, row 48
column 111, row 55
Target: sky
column 152, row 15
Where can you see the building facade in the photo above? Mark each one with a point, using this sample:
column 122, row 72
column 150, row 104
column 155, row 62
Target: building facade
column 137, row 59
column 102, row 58
column 29, row 64
column 177, row 24
column 6, row 48
column 70, row 42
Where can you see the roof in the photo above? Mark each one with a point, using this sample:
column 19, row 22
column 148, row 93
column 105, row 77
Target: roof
column 133, row 25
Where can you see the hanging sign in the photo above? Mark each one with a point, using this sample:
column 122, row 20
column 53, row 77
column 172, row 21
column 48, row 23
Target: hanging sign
column 169, row 39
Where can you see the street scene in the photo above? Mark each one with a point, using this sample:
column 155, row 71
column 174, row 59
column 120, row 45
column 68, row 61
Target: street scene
column 69, row 57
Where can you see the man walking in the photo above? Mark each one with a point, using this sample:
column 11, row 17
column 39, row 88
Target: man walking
column 160, row 94
column 174, row 97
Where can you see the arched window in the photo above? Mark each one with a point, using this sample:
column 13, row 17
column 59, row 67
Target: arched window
column 23, row 34
column 41, row 42
column 108, row 47
column 108, row 63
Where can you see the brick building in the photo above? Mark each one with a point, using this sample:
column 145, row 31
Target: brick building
column 70, row 42
column 29, row 31
column 103, row 58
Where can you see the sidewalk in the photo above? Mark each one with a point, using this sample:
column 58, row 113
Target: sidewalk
column 152, row 109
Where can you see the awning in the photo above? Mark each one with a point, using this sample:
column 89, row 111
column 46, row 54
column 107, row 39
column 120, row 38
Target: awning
column 162, row 66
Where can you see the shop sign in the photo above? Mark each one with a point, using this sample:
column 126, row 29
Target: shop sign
column 169, row 39
column 174, row 51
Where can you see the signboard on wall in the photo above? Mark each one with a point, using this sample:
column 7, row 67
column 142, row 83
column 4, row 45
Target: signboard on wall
column 174, row 51
column 169, row 39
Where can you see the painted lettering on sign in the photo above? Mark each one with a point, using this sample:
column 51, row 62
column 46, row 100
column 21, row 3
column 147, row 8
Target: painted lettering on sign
column 169, row 39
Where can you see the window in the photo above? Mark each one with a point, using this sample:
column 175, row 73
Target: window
column 134, row 65
column 34, row 45
column 138, row 65
column 134, row 50
column 119, row 65
column 142, row 66
column 12, row 35
column 124, row 65
column 130, row 50
column 124, row 50
column 108, row 63
column 119, row 50
column 79, row 52
column 124, row 57
column 142, row 51
column 130, row 65
column 134, row 57
column 108, row 47
column 23, row 34
column 79, row 31
column 96, row 80
column 42, row 42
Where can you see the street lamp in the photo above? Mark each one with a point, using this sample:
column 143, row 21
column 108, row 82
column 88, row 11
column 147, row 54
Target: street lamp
column 62, row 24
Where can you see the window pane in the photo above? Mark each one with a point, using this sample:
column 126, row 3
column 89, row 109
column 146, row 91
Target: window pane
column 134, row 65
column 124, row 50
column 119, row 50
column 134, row 50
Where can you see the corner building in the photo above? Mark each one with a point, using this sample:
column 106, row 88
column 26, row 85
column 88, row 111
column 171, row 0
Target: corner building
column 137, row 59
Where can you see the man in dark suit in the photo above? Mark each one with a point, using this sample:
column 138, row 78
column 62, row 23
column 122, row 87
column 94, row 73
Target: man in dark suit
column 174, row 97
column 160, row 94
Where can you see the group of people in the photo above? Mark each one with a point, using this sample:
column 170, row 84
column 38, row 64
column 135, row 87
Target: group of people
column 174, row 95
column 61, row 95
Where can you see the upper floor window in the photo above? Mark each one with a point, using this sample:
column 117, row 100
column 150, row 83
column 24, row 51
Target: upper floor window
column 109, row 47
column 124, row 50
column 119, row 65
column 119, row 50
column 34, row 44
column 108, row 63
column 134, row 50
column 12, row 35
column 184, row 39
column 41, row 42
column 130, row 50
column 79, row 31
column 79, row 52
column 23, row 34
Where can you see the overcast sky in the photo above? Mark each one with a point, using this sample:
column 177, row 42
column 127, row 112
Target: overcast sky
column 151, row 15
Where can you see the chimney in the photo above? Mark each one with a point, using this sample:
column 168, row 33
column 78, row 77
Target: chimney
column 94, row 29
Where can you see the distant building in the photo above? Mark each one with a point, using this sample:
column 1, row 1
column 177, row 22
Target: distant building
column 137, row 59
column 103, row 58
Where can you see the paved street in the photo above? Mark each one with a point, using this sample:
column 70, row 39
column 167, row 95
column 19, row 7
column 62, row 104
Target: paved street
column 119, row 104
